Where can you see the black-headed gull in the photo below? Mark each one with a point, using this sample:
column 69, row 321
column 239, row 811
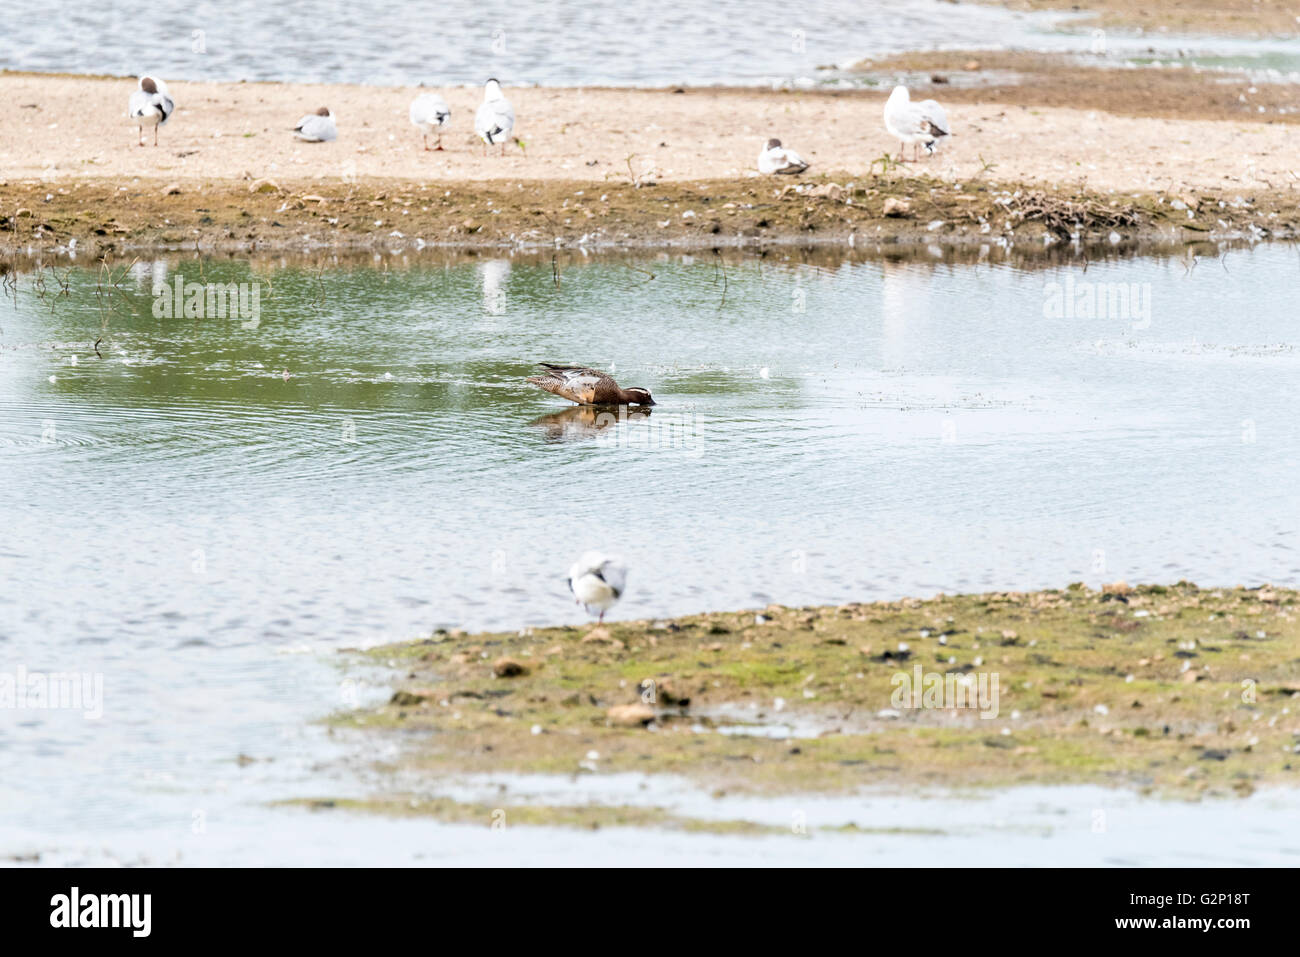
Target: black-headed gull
column 150, row 105
column 921, row 124
column 430, row 113
column 587, row 386
column 597, row 581
column 775, row 158
column 317, row 127
column 495, row 117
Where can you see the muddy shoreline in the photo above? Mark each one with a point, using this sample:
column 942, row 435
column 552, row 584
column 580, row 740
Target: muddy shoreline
column 1171, row 690
column 97, row 219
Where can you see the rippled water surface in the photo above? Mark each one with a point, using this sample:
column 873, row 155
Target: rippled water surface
column 459, row 42
column 205, row 511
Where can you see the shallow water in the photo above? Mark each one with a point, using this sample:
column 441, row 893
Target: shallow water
column 458, row 42
column 203, row 532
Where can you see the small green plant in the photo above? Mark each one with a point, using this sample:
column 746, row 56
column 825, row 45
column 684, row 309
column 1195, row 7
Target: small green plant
column 886, row 163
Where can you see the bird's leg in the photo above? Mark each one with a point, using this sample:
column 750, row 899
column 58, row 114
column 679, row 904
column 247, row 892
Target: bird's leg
column 601, row 619
column 155, row 136
column 439, row 146
column 140, row 133
column 426, row 141
column 902, row 152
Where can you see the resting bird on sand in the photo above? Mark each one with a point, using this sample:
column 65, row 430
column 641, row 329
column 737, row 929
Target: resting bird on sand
column 775, row 158
column 430, row 113
column 495, row 117
column 587, row 386
column 150, row 105
column 597, row 581
column 921, row 124
column 317, row 127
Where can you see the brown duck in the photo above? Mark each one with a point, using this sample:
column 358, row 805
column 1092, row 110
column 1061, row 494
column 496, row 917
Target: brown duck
column 587, row 386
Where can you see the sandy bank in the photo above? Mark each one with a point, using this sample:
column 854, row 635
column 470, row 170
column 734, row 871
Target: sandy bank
column 61, row 128
column 71, row 162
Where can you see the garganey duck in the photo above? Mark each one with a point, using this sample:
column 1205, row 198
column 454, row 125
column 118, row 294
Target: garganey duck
column 587, row 386
column 597, row 582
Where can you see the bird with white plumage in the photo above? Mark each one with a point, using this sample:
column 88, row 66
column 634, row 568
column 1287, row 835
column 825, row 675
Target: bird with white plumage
column 318, row 127
column 597, row 581
column 150, row 105
column 495, row 118
column 781, row 160
column 919, row 124
column 430, row 114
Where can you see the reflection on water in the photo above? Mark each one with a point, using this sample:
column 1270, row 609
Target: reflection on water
column 203, row 512
column 494, row 274
column 581, row 422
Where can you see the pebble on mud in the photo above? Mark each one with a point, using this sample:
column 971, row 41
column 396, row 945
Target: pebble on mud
column 897, row 208
column 508, row 668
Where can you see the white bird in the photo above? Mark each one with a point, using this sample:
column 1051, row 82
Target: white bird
column 921, row 124
column 150, row 105
column 597, row 581
column 317, row 127
column 495, row 117
column 430, row 113
column 775, row 158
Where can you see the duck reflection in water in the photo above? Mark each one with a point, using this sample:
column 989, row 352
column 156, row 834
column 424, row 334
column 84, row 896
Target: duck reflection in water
column 581, row 422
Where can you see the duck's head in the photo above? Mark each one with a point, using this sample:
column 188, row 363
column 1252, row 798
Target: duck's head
column 899, row 95
column 774, row 144
column 492, row 90
column 324, row 111
column 639, row 396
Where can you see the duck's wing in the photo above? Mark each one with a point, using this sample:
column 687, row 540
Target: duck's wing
column 575, row 383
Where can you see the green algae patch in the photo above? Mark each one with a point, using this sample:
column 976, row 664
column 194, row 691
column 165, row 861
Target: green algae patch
column 1171, row 690
column 582, row 817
